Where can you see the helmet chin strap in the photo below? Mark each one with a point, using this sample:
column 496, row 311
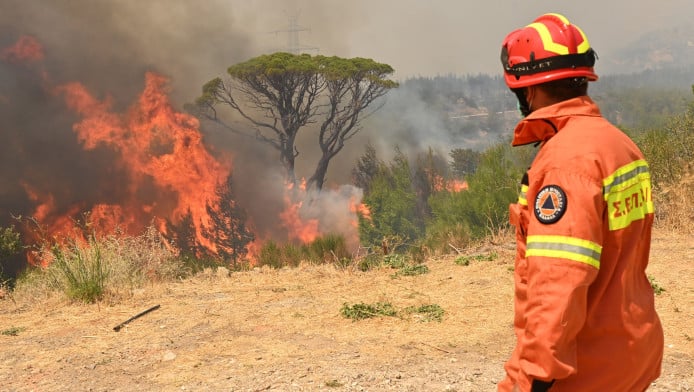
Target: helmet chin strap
column 523, row 105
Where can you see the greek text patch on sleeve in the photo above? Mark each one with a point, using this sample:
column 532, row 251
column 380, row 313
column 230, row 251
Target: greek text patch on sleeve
column 550, row 204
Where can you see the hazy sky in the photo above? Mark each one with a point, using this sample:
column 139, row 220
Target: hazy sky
column 432, row 37
column 195, row 40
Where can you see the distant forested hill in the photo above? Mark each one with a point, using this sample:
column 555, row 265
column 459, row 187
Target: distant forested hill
column 474, row 111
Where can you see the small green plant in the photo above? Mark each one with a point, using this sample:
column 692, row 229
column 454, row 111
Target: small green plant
column 362, row 311
column 395, row 260
column 463, row 260
column 426, row 313
column 657, row 288
column 369, row 262
column 333, row 384
column 331, row 248
column 412, row 270
column 14, row 331
column 466, row 260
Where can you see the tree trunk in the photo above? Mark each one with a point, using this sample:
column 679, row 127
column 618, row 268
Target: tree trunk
column 318, row 177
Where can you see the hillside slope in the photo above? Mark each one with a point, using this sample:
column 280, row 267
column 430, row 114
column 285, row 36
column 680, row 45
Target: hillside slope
column 281, row 330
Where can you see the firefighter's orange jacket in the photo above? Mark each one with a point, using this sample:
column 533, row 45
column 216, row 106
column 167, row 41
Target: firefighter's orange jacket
column 584, row 308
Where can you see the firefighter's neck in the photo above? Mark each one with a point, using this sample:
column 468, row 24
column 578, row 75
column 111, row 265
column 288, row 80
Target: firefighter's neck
column 538, row 98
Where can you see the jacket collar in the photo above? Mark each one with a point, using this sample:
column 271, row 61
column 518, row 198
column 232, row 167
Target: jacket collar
column 545, row 122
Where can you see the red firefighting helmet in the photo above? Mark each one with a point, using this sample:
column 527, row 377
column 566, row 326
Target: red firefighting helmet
column 548, row 49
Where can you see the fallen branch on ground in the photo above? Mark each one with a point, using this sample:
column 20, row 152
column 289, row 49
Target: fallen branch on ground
column 121, row 325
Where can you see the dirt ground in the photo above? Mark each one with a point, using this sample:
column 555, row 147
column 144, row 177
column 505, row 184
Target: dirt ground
column 282, row 330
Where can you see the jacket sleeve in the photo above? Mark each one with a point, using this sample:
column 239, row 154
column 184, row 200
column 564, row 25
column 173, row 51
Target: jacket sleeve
column 563, row 255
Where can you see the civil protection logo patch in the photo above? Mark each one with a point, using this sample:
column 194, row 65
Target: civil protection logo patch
column 550, row 204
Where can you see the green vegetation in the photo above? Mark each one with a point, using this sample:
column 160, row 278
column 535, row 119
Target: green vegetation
column 10, row 246
column 81, row 271
column 393, row 204
column 13, row 331
column 657, row 288
column 412, row 208
column 329, row 249
column 426, row 313
column 412, row 270
column 360, row 311
column 466, row 260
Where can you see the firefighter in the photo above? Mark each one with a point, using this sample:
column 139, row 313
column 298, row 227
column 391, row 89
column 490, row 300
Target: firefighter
column 584, row 318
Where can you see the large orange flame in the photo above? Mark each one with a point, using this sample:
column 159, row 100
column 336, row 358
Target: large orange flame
column 156, row 145
column 163, row 174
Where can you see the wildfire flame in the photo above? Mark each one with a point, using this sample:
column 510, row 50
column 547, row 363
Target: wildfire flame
column 360, row 209
column 27, row 49
column 440, row 184
column 156, row 145
column 162, row 173
column 298, row 228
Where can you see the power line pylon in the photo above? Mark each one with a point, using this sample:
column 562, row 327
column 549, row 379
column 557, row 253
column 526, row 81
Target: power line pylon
column 293, row 44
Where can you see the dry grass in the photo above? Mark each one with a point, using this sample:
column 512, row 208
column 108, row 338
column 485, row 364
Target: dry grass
column 282, row 330
column 674, row 205
column 124, row 264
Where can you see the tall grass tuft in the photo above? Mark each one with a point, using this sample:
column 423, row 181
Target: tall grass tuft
column 328, row 249
column 106, row 268
column 80, row 271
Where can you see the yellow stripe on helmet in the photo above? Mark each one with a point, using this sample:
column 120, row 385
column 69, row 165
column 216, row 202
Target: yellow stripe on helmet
column 551, row 46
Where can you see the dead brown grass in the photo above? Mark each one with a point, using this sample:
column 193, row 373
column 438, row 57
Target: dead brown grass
column 674, row 203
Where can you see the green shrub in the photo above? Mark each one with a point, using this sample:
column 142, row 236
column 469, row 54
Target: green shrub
column 395, row 260
column 326, row 249
column 369, row 262
column 360, row 311
column 330, row 248
column 460, row 217
column 193, row 265
column 271, row 255
column 669, row 151
column 13, row 331
column 393, row 205
column 10, row 242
